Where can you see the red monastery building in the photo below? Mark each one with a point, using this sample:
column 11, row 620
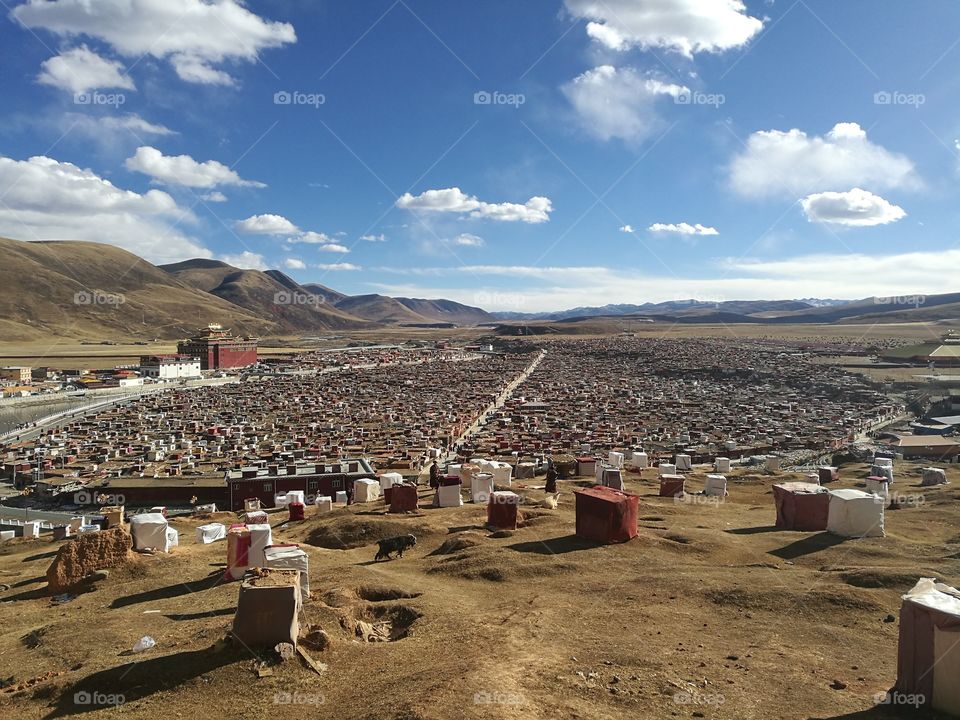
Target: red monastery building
column 217, row 349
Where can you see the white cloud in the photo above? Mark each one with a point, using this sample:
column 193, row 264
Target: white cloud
column 195, row 35
column 184, row 170
column 312, row 238
column 469, row 240
column 110, row 130
column 80, row 69
column 794, row 164
column 683, row 229
column 854, row 208
column 626, row 228
column 44, row 199
column 374, row 238
column 558, row 288
column 294, row 264
column 246, row 261
column 266, row 224
column 686, row 26
column 614, row 103
column 215, row 196
column 339, row 266
column 334, row 248
column 535, row 210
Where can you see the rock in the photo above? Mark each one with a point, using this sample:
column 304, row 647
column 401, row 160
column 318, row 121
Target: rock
column 4, row 587
column 838, row 685
column 89, row 552
column 286, row 651
column 615, row 679
column 316, row 639
column 889, row 619
column 733, row 657
column 98, row 575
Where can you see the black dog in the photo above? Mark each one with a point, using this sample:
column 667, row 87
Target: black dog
column 394, row 545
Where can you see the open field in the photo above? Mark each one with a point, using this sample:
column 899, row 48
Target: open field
column 710, row 612
column 62, row 353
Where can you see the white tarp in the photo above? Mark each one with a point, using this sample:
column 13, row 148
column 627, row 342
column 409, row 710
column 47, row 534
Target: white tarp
column 324, row 503
column 668, row 469
column 257, row 517
column 615, row 459
column 878, row 486
column 388, row 480
column 210, row 533
column 295, row 496
column 468, row 471
column 365, row 490
column 612, row 479
column 342, row 497
column 173, row 537
column 281, row 500
column 883, row 462
column 449, row 496
column 502, row 473
column 149, row 532
column 683, row 462
column 934, row 476
column 261, row 536
column 855, row 514
column 715, row 486
column 290, row 557
column 481, row 488
column 722, row 465
column 640, row 460
column 882, row 471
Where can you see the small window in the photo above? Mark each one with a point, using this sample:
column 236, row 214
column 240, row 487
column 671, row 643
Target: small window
column 268, row 487
column 336, row 484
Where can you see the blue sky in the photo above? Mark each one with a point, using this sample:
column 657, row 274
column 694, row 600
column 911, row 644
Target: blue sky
column 519, row 156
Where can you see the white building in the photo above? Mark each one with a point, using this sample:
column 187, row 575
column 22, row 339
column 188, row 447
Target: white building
column 170, row 367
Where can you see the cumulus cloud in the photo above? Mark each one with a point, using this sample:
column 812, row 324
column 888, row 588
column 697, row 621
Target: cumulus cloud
column 469, row 240
column 266, row 224
column 312, row 238
column 612, row 103
column 854, row 208
column 45, row 199
column 535, row 210
column 626, row 228
column 246, row 261
column 334, row 248
column 80, row 69
column 184, row 170
column 195, row 35
column 339, row 266
column 374, row 238
column 683, row 229
column 686, row 26
column 215, row 196
column 294, row 264
column 793, row 163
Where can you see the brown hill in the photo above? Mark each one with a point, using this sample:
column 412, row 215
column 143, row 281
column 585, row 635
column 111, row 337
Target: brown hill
column 447, row 311
column 380, row 308
column 93, row 291
column 271, row 295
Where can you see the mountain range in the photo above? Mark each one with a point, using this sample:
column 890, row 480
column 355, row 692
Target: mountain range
column 85, row 290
